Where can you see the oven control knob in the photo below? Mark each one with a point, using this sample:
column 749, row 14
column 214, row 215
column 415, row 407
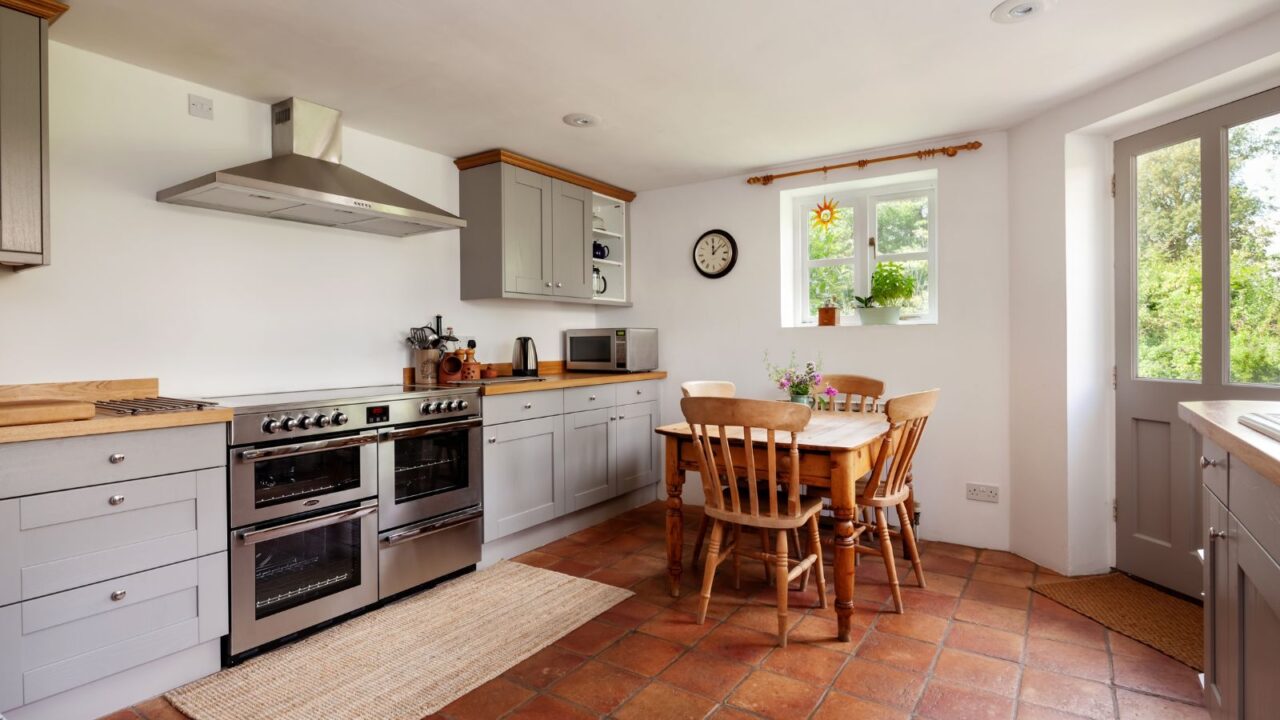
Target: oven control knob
column 288, row 424
column 437, row 407
column 463, row 405
column 322, row 420
column 425, row 408
column 270, row 425
column 451, row 406
column 339, row 418
column 304, row 422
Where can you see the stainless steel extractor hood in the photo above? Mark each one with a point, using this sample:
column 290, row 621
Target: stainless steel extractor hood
column 305, row 181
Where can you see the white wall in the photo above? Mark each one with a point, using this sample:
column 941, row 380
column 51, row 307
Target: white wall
column 720, row 329
column 211, row 302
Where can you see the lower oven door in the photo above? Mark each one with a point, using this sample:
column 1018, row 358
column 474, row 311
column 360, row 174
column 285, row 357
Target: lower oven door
column 288, row 577
column 282, row 480
column 428, row 471
column 428, row 550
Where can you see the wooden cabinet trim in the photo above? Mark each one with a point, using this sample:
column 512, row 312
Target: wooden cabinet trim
column 49, row 10
column 521, row 161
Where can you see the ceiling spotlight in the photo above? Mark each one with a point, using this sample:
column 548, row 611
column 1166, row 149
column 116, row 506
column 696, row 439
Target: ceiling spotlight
column 1012, row 11
column 581, row 120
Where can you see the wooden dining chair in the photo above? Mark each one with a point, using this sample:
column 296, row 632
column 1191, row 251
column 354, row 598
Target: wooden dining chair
column 708, row 388
column 861, row 394
column 887, row 485
column 771, row 504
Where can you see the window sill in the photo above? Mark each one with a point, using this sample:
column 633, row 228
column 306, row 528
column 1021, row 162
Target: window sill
column 847, row 322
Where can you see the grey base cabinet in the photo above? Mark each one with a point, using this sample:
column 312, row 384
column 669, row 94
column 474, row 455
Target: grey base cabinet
column 523, row 475
column 590, row 441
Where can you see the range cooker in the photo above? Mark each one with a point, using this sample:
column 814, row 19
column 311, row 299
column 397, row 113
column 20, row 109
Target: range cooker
column 341, row 498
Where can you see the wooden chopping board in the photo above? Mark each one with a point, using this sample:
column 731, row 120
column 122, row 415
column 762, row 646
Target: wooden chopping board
column 33, row 412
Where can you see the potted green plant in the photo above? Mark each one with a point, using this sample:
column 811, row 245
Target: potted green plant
column 891, row 288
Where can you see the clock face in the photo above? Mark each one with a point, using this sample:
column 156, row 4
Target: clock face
column 715, row 253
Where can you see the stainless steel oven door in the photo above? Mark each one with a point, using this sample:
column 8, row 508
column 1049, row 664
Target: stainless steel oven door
column 289, row 577
column 427, row 471
column 431, row 549
column 274, row 482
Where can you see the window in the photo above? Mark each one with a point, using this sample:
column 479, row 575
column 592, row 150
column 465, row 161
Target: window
column 890, row 219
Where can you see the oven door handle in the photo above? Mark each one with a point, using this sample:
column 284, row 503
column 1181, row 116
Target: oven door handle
column 253, row 537
column 429, row 430
column 430, row 527
column 307, row 448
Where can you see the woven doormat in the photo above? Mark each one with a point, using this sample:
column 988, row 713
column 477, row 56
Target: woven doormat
column 408, row 659
column 1169, row 624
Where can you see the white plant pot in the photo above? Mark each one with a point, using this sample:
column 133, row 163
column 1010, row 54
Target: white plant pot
column 879, row 315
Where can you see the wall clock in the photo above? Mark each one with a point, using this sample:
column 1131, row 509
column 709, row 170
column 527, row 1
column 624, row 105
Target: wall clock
column 715, row 253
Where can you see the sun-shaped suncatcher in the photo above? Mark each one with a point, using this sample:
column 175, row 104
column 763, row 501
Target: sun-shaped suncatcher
column 825, row 214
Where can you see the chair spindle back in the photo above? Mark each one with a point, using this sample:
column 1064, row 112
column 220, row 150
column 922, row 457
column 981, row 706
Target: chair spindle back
column 907, row 416
column 861, row 394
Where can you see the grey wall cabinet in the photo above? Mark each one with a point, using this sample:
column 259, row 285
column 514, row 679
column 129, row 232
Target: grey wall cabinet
column 24, row 147
column 523, row 475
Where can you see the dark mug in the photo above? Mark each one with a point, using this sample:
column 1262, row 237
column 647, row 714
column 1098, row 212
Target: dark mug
column 599, row 250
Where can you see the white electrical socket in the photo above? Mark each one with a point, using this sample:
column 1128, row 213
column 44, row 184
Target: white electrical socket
column 201, row 107
column 982, row 493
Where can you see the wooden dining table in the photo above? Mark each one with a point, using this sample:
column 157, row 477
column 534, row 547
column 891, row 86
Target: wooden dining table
column 836, row 449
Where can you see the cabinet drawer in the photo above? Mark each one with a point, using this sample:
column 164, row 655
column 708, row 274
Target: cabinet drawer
column 589, row 398
column 634, row 392
column 522, row 406
column 1255, row 501
column 1214, row 464
column 48, row 465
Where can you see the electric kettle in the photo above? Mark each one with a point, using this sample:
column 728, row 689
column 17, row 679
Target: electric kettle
column 524, row 358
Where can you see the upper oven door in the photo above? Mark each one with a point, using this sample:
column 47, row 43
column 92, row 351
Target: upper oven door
column 590, row 350
column 281, row 480
column 427, row 471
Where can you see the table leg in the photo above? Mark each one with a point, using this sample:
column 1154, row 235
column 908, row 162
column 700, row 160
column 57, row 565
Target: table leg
column 844, row 508
column 675, row 514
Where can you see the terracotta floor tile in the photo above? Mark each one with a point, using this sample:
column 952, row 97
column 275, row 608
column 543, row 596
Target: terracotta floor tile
column 1068, row 694
column 572, row 567
column 947, row 565
column 597, row 556
column 1078, row 632
column 1160, row 676
column 823, row 632
column 591, row 638
column 1043, row 606
column 731, row 713
column 1136, row 706
column 125, row 714
column 544, row 667
column 776, row 696
column 708, row 675
column 928, row 601
column 723, row 604
column 641, row 565
column 537, row 558
column 914, row 625
column 805, row 662
column 593, row 535
column 946, row 701
column 738, row 643
column 1004, row 559
column 763, row 618
column 944, row 548
column 1128, row 647
column 880, row 683
column 616, row 578
column 158, row 708
column 657, row 591
column 838, row 706
column 996, row 616
column 487, row 701
column 564, row 547
column 999, row 677
column 678, row 627
column 1030, row 711
column 659, row 700
column 629, row 543
column 897, row 651
column 1068, row 659
column 642, row 654
column 985, row 641
column 630, row 613
column 944, row 584
column 545, row 707
column 998, row 594
column 598, row 686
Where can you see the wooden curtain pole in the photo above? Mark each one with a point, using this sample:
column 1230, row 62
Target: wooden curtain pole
column 949, row 151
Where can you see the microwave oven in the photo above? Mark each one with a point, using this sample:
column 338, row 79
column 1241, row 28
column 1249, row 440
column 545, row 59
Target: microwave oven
column 611, row 349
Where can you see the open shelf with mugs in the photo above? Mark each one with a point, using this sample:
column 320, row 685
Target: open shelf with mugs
column 609, row 249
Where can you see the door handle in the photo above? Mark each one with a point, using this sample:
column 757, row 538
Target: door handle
column 432, row 527
column 1217, row 534
column 1207, row 463
column 252, row 537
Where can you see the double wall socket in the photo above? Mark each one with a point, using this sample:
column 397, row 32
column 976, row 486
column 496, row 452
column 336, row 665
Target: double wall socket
column 982, row 493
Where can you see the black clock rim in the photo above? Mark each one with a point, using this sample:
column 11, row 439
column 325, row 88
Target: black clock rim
column 733, row 255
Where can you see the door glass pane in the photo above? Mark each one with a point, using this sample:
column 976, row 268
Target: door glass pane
column 1254, row 234
column 304, row 566
column 301, row 476
column 1169, row 251
column 591, row 348
column 902, row 225
column 430, row 465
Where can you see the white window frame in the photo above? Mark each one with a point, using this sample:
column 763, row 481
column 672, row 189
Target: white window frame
column 862, row 201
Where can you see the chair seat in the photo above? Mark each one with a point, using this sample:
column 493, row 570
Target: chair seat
column 880, row 500
column 809, row 506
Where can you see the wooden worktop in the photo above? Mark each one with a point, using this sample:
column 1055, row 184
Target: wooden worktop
column 103, row 423
column 1219, row 420
column 555, row 381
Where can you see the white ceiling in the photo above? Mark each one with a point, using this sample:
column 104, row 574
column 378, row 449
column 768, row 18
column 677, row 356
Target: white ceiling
column 687, row 90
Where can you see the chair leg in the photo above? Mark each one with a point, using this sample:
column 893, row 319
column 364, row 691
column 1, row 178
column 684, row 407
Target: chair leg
column 709, row 573
column 886, row 549
column 800, row 555
column 697, row 544
column 909, row 539
column 815, row 545
column 911, row 514
column 764, row 547
column 737, row 557
column 780, row 578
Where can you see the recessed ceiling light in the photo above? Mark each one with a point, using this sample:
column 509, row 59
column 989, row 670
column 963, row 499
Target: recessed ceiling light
column 1012, row 11
column 581, row 120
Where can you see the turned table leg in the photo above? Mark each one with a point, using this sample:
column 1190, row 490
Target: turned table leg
column 675, row 514
column 843, row 506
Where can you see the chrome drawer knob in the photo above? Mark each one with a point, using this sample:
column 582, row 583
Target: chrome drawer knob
column 116, row 459
column 639, row 392
column 1207, row 463
column 528, row 406
column 1217, row 534
column 548, row 284
column 115, row 500
column 592, row 397
column 493, row 440
column 118, row 595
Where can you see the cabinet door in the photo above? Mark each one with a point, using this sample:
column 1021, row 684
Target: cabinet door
column 523, row 475
column 526, row 231
column 588, row 458
column 22, row 49
column 1219, row 687
column 571, row 220
column 636, row 456
column 1255, row 593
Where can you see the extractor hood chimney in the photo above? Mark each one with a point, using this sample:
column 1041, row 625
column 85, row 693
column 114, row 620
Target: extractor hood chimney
column 305, row 181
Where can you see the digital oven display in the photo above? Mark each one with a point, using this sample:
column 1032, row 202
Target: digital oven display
column 377, row 414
